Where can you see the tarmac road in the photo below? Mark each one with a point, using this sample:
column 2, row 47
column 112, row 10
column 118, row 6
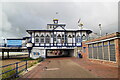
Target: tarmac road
column 65, row 69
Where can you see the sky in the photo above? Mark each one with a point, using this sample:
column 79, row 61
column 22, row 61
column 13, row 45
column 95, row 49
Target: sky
column 17, row 17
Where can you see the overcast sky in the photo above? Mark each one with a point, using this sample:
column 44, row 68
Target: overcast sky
column 19, row 16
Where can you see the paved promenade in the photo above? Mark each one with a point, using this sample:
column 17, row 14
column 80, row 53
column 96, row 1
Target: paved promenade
column 71, row 68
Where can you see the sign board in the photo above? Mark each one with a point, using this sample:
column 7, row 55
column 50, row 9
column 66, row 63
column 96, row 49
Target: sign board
column 14, row 43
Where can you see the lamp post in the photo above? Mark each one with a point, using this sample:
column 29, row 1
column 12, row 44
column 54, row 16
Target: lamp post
column 4, row 43
column 29, row 46
column 100, row 29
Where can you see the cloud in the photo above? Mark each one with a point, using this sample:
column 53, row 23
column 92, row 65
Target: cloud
column 19, row 16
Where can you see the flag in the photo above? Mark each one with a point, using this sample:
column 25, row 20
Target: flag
column 79, row 20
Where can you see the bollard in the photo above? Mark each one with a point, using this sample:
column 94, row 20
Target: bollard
column 26, row 65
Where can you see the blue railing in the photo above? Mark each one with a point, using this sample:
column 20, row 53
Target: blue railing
column 16, row 69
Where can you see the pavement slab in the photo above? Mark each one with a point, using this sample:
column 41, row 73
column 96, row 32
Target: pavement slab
column 67, row 69
column 71, row 68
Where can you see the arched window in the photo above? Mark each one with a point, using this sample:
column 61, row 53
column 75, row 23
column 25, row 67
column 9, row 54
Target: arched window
column 36, row 40
column 42, row 38
column 78, row 38
column 69, row 36
column 78, row 35
column 73, row 36
column 47, row 39
column 83, row 37
column 58, row 37
column 36, row 35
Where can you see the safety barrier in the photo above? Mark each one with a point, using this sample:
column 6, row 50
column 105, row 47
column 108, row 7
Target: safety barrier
column 16, row 69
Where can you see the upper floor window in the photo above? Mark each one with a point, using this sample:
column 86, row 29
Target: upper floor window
column 69, row 36
column 37, row 35
column 50, row 27
column 59, row 36
column 63, row 35
column 78, row 35
column 83, row 37
column 73, row 36
column 47, row 39
column 36, row 40
column 42, row 38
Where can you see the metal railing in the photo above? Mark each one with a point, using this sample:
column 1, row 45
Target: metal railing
column 16, row 69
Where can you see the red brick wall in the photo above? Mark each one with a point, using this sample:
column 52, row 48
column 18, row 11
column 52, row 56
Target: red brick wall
column 85, row 55
column 117, row 49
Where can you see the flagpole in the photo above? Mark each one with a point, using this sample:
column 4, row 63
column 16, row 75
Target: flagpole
column 80, row 24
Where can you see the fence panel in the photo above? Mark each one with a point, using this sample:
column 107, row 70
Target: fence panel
column 16, row 69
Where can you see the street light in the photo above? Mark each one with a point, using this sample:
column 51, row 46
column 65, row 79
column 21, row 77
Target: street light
column 29, row 46
column 100, row 29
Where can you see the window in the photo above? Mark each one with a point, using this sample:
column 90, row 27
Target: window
column 105, row 43
column 47, row 39
column 62, row 35
column 73, row 36
column 59, row 37
column 112, row 51
column 112, row 42
column 42, row 39
column 50, row 27
column 90, row 45
column 51, row 35
column 69, row 36
column 78, row 35
column 95, row 45
column 83, row 37
column 36, row 35
column 54, row 37
column 99, row 44
column 37, row 40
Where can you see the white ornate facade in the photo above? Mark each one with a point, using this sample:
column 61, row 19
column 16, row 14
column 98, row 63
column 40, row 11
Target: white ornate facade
column 57, row 37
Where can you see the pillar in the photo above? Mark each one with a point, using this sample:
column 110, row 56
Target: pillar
column 2, row 54
column 117, row 49
column 8, row 54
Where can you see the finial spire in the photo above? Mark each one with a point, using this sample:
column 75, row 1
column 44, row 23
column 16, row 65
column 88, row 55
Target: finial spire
column 55, row 20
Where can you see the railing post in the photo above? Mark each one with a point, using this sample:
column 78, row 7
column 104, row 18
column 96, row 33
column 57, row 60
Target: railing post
column 17, row 70
column 26, row 65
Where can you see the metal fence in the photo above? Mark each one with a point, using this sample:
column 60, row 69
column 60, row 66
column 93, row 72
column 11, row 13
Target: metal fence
column 16, row 69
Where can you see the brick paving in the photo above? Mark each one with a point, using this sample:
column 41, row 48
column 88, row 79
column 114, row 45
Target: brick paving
column 98, row 70
column 103, row 71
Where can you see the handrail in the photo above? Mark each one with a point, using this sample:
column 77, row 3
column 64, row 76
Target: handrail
column 16, row 69
column 11, row 64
